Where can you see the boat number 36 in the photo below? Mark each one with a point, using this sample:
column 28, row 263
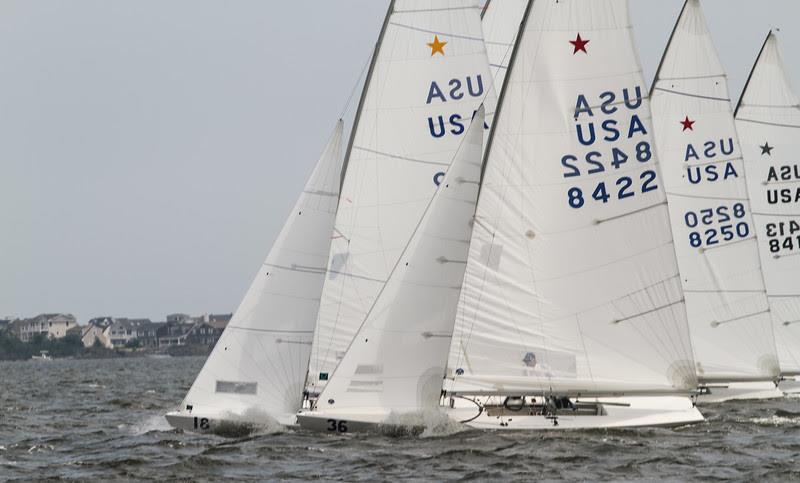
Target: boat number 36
column 339, row 426
column 201, row 423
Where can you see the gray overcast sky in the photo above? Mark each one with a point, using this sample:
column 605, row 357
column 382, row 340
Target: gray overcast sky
column 150, row 150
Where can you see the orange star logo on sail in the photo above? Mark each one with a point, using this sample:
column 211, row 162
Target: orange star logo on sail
column 437, row 46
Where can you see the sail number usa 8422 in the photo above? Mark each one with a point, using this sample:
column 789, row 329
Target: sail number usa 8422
column 608, row 124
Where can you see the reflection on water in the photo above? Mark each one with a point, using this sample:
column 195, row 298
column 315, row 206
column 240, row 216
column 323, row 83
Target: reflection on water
column 104, row 419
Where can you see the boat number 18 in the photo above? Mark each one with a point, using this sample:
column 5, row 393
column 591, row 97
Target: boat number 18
column 201, row 423
column 339, row 426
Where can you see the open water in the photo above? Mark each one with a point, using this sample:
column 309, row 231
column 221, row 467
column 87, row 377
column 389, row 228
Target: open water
column 103, row 420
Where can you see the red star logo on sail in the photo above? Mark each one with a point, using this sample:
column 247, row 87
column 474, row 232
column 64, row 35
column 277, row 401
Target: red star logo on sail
column 579, row 45
column 437, row 47
column 688, row 125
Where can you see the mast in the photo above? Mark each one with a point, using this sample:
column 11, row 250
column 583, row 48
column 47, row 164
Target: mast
column 750, row 77
column 364, row 91
column 500, row 98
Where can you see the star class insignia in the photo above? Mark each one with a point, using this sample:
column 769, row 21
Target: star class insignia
column 579, row 45
column 766, row 149
column 688, row 125
column 437, row 46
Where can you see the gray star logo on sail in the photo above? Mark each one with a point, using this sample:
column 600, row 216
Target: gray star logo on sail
column 766, row 149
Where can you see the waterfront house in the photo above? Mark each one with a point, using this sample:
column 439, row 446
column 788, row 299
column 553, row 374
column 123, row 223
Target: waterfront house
column 54, row 326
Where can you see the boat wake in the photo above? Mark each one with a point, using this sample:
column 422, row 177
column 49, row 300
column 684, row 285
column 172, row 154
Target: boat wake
column 425, row 424
column 252, row 421
column 149, row 424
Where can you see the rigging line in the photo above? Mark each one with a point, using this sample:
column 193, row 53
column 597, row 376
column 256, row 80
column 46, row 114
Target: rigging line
column 443, row 9
column 695, row 77
column 783, row 181
column 726, row 291
column 697, row 96
column 793, row 126
column 795, row 215
column 444, row 34
column 724, row 245
column 783, row 296
column 402, row 158
column 719, row 161
column 655, row 309
column 635, row 212
column 270, row 331
column 299, row 268
column 774, row 106
column 358, row 83
column 717, row 324
column 723, row 198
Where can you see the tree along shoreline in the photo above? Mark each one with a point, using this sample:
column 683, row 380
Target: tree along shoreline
column 71, row 346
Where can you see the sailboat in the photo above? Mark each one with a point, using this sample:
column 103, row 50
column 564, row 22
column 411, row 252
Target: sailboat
column 571, row 314
column 256, row 372
column 428, row 76
column 768, row 122
column 395, row 364
column 712, row 220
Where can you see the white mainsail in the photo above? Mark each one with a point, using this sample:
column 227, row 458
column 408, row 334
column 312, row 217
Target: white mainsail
column 396, row 362
column 501, row 21
column 572, row 284
column 768, row 122
column 258, row 367
column 428, row 77
column 712, row 222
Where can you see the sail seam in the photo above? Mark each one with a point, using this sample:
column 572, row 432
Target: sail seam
column 697, row 96
column 766, row 123
column 446, row 34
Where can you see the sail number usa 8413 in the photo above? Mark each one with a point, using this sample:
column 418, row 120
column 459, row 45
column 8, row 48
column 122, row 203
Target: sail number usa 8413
column 601, row 125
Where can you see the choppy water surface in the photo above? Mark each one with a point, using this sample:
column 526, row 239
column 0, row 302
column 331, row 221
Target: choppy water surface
column 103, row 420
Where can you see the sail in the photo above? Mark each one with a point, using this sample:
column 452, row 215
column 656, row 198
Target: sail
column 572, row 282
column 259, row 363
column 768, row 122
column 501, row 21
column 712, row 222
column 397, row 359
column 429, row 75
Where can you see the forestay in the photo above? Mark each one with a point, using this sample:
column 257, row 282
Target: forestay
column 397, row 359
column 259, row 363
column 572, row 283
column 768, row 122
column 712, row 220
column 501, row 21
column 430, row 74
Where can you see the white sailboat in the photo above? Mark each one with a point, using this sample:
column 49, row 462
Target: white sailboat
column 428, row 76
column 257, row 370
column 394, row 367
column 571, row 311
column 768, row 122
column 712, row 221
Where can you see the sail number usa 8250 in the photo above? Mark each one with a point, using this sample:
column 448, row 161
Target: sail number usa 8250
column 604, row 127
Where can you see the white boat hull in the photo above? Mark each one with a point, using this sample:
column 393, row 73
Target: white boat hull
column 739, row 391
column 615, row 413
column 225, row 424
column 790, row 386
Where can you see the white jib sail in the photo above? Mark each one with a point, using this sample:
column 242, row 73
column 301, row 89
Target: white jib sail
column 501, row 20
column 396, row 362
column 712, row 222
column 768, row 122
column 430, row 74
column 572, row 283
column 259, row 364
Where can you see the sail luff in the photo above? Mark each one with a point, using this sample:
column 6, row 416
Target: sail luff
column 364, row 91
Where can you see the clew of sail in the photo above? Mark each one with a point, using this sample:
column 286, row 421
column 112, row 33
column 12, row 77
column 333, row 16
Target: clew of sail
column 257, row 368
column 768, row 122
column 572, row 284
column 715, row 239
column 396, row 362
column 428, row 77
